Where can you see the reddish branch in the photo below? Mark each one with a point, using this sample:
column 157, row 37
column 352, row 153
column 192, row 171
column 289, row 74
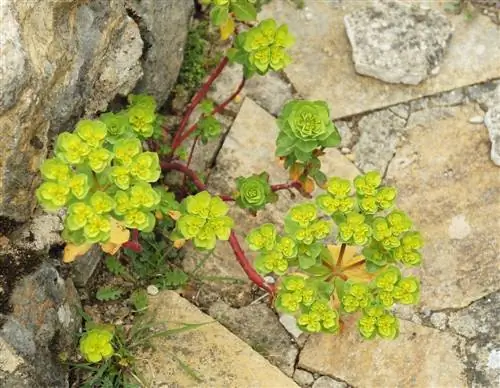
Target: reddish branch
column 198, row 97
column 247, row 267
column 217, row 109
column 133, row 244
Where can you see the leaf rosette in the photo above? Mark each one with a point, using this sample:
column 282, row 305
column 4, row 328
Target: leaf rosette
column 254, row 192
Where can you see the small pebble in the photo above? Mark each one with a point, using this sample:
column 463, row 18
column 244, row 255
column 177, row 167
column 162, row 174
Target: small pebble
column 345, row 150
column 269, row 279
column 476, row 120
column 351, row 157
column 152, row 290
column 290, row 324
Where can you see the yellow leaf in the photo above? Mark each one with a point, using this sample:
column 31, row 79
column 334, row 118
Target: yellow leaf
column 119, row 234
column 353, row 264
column 159, row 215
column 174, row 214
column 71, row 251
column 179, row 243
column 227, row 29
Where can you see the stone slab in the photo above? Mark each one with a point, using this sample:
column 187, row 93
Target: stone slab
column 419, row 357
column 322, row 65
column 451, row 189
column 219, row 358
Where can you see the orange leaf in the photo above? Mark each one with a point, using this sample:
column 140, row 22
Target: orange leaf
column 296, row 171
column 174, row 214
column 350, row 266
column 71, row 251
column 179, row 243
column 308, row 186
column 119, row 235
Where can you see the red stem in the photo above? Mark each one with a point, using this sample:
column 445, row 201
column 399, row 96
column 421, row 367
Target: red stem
column 247, row 267
column 217, row 109
column 233, row 240
column 285, row 186
column 196, row 100
column 190, row 158
column 133, row 244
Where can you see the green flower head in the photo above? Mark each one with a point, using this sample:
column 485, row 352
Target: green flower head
column 339, row 188
column 262, row 238
column 376, row 320
column 190, row 225
column 120, row 177
column 272, row 261
column 101, row 202
column 71, row 149
column 138, row 219
column 79, row 185
column 387, row 280
column 146, row 167
column 254, row 192
column 99, row 159
column 356, row 297
column 305, row 126
column 95, row 345
column 55, row 170
column 385, row 197
column 142, row 119
column 354, row 230
column 142, row 100
column 92, row 132
column 262, row 48
column 143, row 196
column 52, row 196
column 320, row 317
column 367, row 184
column 122, row 203
column 331, row 205
column 407, row 290
column 287, row 247
column 125, row 150
column 117, row 125
column 304, row 214
column 78, row 215
column 208, row 128
column 97, row 228
column 205, row 238
column 399, row 222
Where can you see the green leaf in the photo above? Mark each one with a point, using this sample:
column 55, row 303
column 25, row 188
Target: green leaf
column 219, row 15
column 244, row 11
column 306, row 261
column 108, row 293
column 139, row 299
column 172, row 279
column 114, row 266
column 319, row 177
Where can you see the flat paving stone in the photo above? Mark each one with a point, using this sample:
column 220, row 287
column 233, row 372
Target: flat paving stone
column 419, row 357
column 323, row 68
column 451, row 189
column 219, row 358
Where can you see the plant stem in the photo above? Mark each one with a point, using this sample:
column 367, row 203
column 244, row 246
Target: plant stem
column 233, row 240
column 247, row 267
column 133, row 244
column 361, row 262
column 190, row 158
column 217, row 109
column 196, row 100
column 285, row 186
column 341, row 255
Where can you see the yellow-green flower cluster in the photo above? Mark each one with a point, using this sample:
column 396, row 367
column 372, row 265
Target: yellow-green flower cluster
column 100, row 172
column 356, row 296
column 95, row 345
column 354, row 230
column 338, row 199
column 204, row 220
column 377, row 321
column 319, row 317
column 372, row 197
column 302, row 223
column 262, row 48
column 295, row 292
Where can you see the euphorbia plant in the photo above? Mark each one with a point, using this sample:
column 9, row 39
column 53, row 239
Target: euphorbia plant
column 341, row 253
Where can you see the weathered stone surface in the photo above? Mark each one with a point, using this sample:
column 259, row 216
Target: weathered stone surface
column 450, row 188
column 42, row 232
column 492, row 122
column 328, row 382
column 219, row 358
column 303, row 378
column 322, row 67
column 84, row 266
column 397, row 43
column 486, row 94
column 164, row 27
column 259, row 327
column 414, row 359
column 479, row 323
column 379, row 135
column 42, row 323
column 270, row 91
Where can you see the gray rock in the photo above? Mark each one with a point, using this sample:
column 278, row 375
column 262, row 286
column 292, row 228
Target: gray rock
column 486, row 94
column 41, row 323
column 303, row 378
column 397, row 43
column 402, row 110
column 439, row 320
column 379, row 134
column 289, row 322
column 328, row 382
column 84, row 266
column 492, row 122
column 42, row 232
column 451, row 98
column 346, row 135
column 479, row 323
column 258, row 326
column 164, row 27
